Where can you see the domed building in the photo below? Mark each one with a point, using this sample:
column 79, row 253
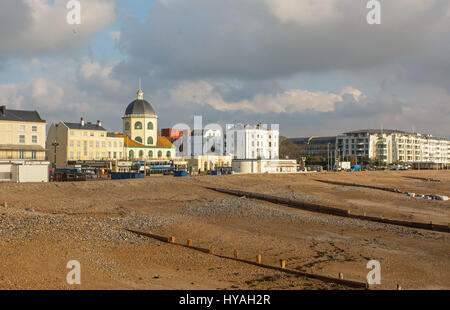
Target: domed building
column 140, row 132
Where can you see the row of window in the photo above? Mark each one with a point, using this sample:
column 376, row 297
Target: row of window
column 138, row 125
column 22, row 155
column 90, row 133
column 115, row 155
column 22, row 139
column 139, row 139
column 24, row 128
column 97, row 143
column 150, row 154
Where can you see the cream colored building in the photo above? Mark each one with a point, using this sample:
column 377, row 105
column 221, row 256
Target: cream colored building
column 140, row 133
column 208, row 162
column 82, row 142
column 22, row 135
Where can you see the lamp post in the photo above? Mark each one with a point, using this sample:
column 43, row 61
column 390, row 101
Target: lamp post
column 55, row 146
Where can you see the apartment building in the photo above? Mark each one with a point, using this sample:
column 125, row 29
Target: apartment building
column 82, row 141
column 22, row 135
column 393, row 146
column 252, row 141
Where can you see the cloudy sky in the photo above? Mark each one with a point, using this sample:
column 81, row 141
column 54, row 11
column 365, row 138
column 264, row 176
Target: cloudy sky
column 313, row 66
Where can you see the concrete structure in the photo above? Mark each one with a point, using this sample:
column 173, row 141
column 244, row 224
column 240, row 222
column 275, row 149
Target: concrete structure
column 247, row 166
column 22, row 146
column 252, row 141
column 394, row 146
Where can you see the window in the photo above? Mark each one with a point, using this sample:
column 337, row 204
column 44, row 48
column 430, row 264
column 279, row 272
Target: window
column 22, row 139
column 91, row 143
column 159, row 154
column 78, row 143
column 127, row 125
column 78, row 155
column 138, row 139
column 71, row 155
column 131, row 154
column 150, row 140
column 150, row 154
column 103, row 144
column 22, row 128
column 138, row 125
column 168, row 154
column 34, row 139
column 85, row 133
column 115, row 155
column 141, row 154
column 92, row 134
column 34, row 128
column 71, row 142
column 33, row 155
column 97, row 144
column 22, row 154
column 72, row 133
column 150, row 126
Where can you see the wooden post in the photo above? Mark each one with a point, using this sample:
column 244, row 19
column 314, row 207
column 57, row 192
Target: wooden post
column 236, row 253
column 282, row 263
column 5, row 204
column 172, row 239
column 258, row 258
column 211, row 250
column 341, row 276
column 189, row 242
column 365, row 214
column 349, row 212
column 399, row 287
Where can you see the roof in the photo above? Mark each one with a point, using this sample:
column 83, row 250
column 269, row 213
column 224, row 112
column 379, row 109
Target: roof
column 21, row 147
column 140, row 107
column 377, row 131
column 86, row 126
column 313, row 140
column 21, row 116
column 161, row 141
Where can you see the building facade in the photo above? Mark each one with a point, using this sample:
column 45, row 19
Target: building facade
column 82, row 141
column 22, row 135
column 315, row 146
column 252, row 141
column 393, row 146
column 140, row 133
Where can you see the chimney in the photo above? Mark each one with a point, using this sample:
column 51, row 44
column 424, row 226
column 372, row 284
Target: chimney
column 82, row 121
column 3, row 110
column 99, row 123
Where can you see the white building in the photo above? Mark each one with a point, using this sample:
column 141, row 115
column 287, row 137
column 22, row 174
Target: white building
column 393, row 146
column 252, row 141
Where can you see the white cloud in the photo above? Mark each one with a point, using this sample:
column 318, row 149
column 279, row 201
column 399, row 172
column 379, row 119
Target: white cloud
column 37, row 27
column 290, row 101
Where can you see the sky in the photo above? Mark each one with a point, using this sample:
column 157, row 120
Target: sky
column 313, row 67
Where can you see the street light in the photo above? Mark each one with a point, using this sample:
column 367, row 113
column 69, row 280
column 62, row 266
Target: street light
column 55, row 145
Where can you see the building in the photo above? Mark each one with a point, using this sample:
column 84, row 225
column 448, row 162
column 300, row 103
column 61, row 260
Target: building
column 315, row 146
column 140, row 128
column 22, row 146
column 247, row 166
column 252, row 141
column 393, row 146
column 82, row 142
column 171, row 134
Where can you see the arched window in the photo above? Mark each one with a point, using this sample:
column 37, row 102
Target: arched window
column 138, row 139
column 150, row 126
column 168, row 154
column 150, row 154
column 159, row 154
column 131, row 154
column 141, row 154
column 127, row 125
column 138, row 125
column 150, row 140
